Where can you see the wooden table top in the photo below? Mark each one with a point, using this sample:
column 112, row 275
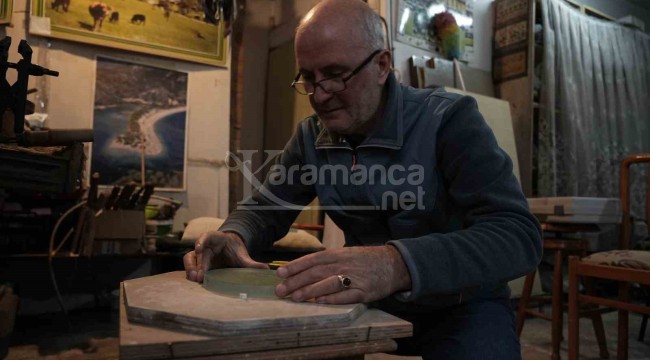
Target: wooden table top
column 372, row 331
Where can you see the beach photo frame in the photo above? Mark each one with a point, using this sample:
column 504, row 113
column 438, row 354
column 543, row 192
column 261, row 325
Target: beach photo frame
column 168, row 28
column 140, row 124
column 6, row 10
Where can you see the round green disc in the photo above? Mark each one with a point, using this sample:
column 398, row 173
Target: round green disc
column 255, row 283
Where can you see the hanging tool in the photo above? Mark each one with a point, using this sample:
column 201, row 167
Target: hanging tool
column 14, row 98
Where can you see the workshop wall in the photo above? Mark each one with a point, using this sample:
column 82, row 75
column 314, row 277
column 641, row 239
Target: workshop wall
column 619, row 9
column 483, row 10
column 288, row 10
column 69, row 102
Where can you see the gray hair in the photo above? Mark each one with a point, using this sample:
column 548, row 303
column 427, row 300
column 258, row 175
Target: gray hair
column 373, row 30
column 370, row 25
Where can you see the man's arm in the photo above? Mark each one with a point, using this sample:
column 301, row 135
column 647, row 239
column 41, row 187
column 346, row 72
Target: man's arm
column 500, row 239
column 267, row 215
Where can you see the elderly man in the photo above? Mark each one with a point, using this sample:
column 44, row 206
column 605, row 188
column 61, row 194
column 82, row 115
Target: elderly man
column 435, row 222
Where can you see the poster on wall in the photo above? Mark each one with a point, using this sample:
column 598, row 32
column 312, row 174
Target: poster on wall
column 442, row 26
column 6, row 10
column 169, row 28
column 140, row 121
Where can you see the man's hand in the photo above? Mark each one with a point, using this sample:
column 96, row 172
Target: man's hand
column 375, row 273
column 216, row 249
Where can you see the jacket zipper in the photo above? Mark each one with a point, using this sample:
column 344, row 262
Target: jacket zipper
column 348, row 147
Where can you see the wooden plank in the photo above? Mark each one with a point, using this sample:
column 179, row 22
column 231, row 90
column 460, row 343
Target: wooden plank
column 565, row 244
column 170, row 300
column 339, row 351
column 615, row 304
column 569, row 227
column 582, row 219
column 138, row 341
column 510, row 66
column 613, row 273
column 508, row 11
column 574, row 205
column 141, row 342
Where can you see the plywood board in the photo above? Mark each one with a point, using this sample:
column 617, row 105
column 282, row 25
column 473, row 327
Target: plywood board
column 170, row 300
column 371, row 332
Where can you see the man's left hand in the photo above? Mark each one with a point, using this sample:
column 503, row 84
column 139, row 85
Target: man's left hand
column 375, row 272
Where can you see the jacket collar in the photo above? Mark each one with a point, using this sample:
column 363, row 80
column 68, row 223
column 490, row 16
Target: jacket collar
column 389, row 131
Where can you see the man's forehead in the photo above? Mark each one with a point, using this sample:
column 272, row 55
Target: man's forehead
column 326, row 60
column 337, row 33
column 320, row 54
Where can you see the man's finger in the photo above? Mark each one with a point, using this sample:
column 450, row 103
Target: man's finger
column 198, row 254
column 189, row 262
column 206, row 262
column 308, row 261
column 303, row 279
column 349, row 296
column 206, row 247
column 327, row 286
column 215, row 242
column 250, row 263
column 245, row 259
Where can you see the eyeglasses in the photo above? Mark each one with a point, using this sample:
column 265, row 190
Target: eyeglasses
column 329, row 85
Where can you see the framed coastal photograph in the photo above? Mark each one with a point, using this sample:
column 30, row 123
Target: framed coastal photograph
column 168, row 28
column 6, row 9
column 140, row 124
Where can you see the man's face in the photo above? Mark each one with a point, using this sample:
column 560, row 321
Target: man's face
column 344, row 112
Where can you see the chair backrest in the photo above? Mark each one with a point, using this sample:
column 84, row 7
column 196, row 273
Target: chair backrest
column 624, row 191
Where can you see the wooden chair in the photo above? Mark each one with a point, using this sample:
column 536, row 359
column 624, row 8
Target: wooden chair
column 560, row 248
column 622, row 265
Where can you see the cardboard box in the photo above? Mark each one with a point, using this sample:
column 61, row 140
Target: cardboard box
column 119, row 232
column 120, row 225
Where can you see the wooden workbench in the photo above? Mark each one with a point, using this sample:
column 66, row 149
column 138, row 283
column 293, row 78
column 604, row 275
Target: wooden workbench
column 373, row 331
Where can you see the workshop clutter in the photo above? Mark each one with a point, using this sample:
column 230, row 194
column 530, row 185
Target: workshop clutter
column 8, row 307
column 114, row 222
column 159, row 224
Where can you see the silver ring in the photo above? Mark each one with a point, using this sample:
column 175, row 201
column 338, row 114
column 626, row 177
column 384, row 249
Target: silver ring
column 345, row 281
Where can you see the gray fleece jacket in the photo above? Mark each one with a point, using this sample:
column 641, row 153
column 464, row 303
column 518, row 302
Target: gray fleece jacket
column 430, row 180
